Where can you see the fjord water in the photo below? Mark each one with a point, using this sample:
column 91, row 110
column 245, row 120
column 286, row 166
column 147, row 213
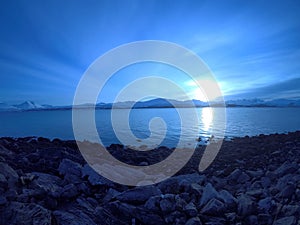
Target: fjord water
column 240, row 122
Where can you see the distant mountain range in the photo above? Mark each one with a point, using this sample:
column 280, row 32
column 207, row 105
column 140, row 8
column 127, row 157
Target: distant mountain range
column 156, row 103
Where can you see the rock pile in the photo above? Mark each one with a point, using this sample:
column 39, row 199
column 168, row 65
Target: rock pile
column 254, row 180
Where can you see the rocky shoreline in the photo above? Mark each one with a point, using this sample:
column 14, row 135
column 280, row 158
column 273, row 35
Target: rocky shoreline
column 253, row 180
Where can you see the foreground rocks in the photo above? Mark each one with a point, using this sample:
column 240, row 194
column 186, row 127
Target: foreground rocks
column 253, row 180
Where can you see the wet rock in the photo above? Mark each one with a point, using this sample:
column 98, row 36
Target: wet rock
column 290, row 220
column 138, row 195
column 234, row 176
column 214, row 208
column 252, row 219
column 209, row 192
column 194, row 221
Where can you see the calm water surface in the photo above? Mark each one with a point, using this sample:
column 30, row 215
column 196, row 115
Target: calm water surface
column 240, row 122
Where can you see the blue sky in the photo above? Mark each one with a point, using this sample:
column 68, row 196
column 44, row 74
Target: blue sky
column 252, row 47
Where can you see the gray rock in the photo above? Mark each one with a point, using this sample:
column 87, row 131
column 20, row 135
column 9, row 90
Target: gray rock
column 286, row 168
column 10, row 174
column 72, row 218
column 138, row 195
column 290, row 220
column 191, row 209
column 194, row 221
column 209, row 192
column 69, row 191
column 245, row 205
column 70, row 170
column 214, row 208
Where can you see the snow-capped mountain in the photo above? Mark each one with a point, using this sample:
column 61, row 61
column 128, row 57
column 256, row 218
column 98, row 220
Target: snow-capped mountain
column 28, row 105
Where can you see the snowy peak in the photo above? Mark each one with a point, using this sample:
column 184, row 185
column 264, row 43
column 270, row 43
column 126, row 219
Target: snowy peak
column 28, row 105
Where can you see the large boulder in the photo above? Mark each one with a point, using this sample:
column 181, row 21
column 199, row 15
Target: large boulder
column 138, row 195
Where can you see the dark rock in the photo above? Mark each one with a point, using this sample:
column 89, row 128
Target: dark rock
column 138, row 195
column 72, row 218
column 265, row 205
column 191, row 209
column 286, row 168
column 252, row 219
column 228, row 199
column 214, row 208
column 288, row 191
column 194, row 221
column 291, row 210
column 70, row 170
column 152, row 203
column 266, row 182
column 174, row 184
column 167, row 203
column 3, row 182
column 245, row 205
column 69, row 191
column 265, row 218
column 290, row 220
column 94, row 178
column 243, row 178
column 209, row 192
column 234, row 176
column 47, row 183
column 10, row 174
column 3, row 201
column 111, row 194
column 24, row 213
column 175, row 217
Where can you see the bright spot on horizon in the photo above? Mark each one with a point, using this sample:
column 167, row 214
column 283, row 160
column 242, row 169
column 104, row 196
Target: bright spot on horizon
column 200, row 93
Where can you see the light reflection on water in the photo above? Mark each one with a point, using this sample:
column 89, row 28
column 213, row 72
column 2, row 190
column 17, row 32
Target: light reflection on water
column 240, row 122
